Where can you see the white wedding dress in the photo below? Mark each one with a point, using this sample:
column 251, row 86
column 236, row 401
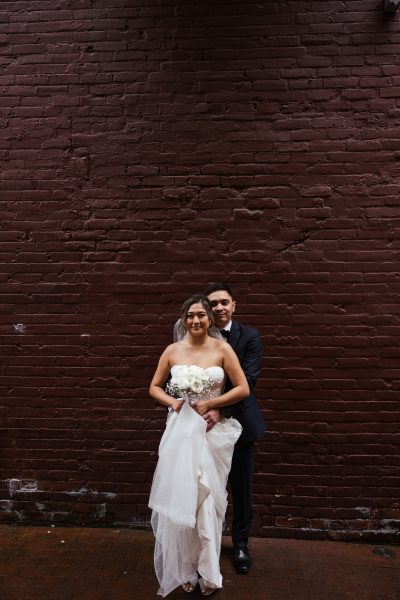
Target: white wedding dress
column 188, row 495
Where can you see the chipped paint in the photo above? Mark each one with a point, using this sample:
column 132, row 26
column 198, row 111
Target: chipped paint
column 21, row 485
column 101, row 510
column 6, row 506
column 16, row 486
column 366, row 512
column 392, row 525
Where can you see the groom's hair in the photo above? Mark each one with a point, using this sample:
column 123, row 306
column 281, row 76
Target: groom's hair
column 217, row 287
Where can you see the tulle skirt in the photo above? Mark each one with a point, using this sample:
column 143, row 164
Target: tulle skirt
column 188, row 498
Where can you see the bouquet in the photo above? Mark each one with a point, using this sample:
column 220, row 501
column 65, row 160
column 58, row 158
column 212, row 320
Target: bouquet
column 190, row 383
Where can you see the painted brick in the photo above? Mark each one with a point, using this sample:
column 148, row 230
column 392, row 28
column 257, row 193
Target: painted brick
column 150, row 150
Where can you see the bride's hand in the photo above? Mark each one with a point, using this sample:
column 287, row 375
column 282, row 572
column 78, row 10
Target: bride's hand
column 176, row 404
column 202, row 407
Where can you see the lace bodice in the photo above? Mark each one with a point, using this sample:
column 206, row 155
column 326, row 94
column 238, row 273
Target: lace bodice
column 217, row 375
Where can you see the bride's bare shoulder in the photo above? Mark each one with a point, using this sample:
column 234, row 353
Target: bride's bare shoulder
column 218, row 343
column 174, row 348
column 169, row 349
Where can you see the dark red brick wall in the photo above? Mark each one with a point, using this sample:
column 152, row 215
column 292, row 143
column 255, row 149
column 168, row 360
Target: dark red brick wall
column 148, row 148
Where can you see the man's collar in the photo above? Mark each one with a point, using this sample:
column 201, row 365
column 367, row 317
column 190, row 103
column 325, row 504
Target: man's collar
column 228, row 327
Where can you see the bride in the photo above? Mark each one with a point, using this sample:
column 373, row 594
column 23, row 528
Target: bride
column 188, row 496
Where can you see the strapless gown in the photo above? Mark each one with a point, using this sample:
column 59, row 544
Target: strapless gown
column 188, row 496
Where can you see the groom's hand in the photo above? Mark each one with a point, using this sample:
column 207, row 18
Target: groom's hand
column 212, row 417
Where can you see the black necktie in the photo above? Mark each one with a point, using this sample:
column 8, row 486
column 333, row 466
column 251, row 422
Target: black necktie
column 225, row 333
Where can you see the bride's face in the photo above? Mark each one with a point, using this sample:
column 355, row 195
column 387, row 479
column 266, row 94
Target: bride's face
column 197, row 321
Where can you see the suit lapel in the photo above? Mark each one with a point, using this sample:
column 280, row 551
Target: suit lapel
column 235, row 334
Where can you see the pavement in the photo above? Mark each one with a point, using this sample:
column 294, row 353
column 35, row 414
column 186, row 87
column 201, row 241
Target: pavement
column 66, row 563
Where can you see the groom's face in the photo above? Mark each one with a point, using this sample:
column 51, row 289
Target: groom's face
column 223, row 307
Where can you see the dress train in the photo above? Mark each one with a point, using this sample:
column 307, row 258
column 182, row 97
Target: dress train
column 189, row 498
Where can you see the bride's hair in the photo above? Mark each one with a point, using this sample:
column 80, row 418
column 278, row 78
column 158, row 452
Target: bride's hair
column 181, row 330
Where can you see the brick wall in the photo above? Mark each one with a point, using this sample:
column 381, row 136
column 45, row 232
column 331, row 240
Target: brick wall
column 148, row 148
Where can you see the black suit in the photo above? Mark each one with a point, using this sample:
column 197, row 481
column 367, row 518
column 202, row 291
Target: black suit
column 246, row 342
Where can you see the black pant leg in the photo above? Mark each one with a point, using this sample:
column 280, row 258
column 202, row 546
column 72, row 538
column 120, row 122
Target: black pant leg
column 241, row 482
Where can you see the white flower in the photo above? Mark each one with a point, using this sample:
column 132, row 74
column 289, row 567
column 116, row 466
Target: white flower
column 189, row 382
column 197, row 386
column 181, row 381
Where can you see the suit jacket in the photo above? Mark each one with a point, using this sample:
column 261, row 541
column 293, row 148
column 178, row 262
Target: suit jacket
column 246, row 342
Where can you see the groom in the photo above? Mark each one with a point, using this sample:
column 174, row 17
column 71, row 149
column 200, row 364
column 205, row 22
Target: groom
column 246, row 343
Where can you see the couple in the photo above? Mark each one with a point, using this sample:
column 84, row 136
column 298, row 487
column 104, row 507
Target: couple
column 212, row 424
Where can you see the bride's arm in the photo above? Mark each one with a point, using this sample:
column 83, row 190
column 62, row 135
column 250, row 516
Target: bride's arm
column 240, row 387
column 156, row 389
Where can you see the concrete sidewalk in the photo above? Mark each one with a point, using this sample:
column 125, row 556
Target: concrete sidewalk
column 60, row 563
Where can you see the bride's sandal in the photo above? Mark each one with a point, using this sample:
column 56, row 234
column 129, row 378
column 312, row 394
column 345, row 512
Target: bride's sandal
column 188, row 587
column 207, row 591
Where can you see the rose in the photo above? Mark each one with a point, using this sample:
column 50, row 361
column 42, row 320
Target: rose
column 197, row 386
column 181, row 382
column 189, row 382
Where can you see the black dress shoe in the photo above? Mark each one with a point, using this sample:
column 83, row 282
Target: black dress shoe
column 241, row 560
